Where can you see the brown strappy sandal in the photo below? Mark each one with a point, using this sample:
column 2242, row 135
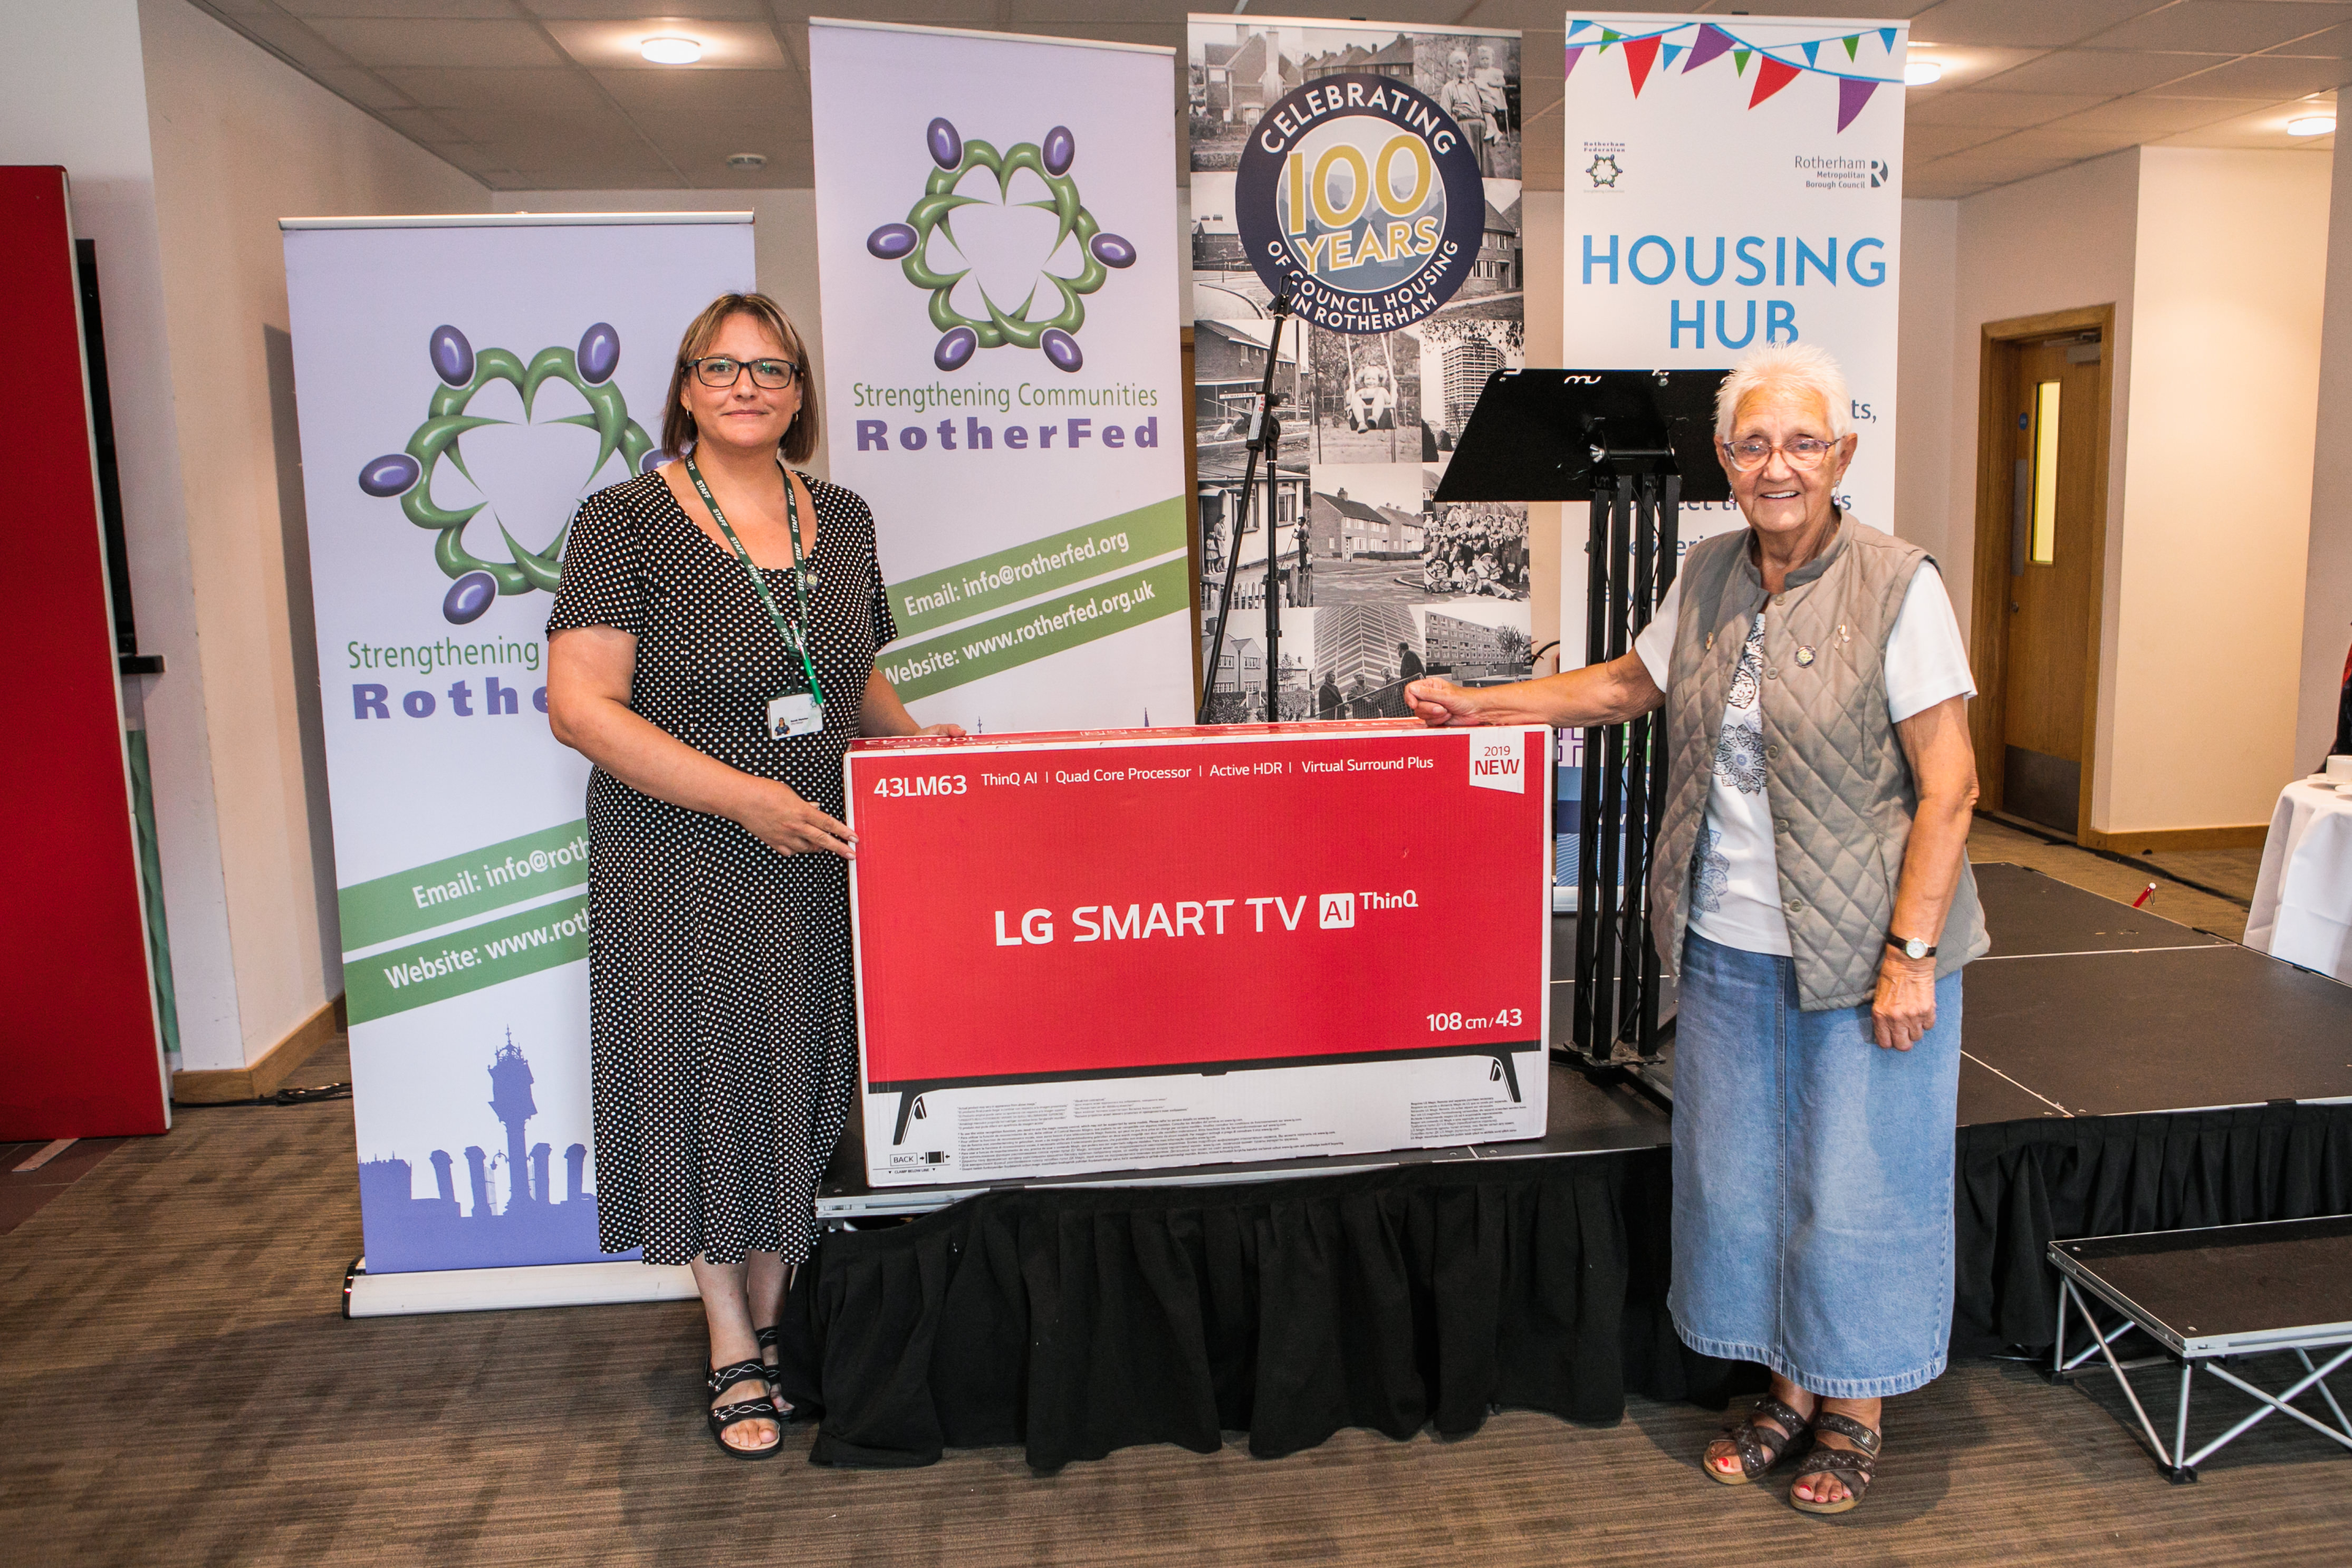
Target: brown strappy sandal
column 1760, row 1447
column 1855, row 1470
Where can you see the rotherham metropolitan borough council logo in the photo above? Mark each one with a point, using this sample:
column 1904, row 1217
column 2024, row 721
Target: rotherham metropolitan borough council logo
column 408, row 473
column 969, row 318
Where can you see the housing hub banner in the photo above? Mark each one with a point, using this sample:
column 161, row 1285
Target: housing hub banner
column 993, row 241
column 462, row 384
column 1731, row 182
column 1370, row 172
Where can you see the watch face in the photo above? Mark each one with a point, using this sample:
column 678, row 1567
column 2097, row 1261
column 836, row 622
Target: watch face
column 1915, row 948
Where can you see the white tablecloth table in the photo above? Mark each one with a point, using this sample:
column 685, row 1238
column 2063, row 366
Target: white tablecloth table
column 2302, row 899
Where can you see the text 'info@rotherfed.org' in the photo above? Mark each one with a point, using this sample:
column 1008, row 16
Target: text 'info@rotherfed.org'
column 1119, row 950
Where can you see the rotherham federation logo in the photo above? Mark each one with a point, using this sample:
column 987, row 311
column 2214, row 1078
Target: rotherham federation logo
column 1360, row 199
column 1603, row 172
column 408, row 473
column 962, row 305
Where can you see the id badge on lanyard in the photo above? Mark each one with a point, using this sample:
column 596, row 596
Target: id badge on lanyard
column 801, row 709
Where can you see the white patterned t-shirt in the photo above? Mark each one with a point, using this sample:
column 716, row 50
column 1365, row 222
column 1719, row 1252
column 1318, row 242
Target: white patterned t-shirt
column 1736, row 876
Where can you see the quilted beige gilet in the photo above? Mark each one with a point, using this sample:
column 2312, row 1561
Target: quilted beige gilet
column 1840, row 791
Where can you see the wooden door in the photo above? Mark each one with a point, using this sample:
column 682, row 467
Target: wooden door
column 2053, row 576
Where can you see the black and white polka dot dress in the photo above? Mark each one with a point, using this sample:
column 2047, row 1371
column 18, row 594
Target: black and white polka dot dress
column 724, row 1044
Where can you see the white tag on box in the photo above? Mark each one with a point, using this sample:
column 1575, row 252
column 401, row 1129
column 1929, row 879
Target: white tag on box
column 1497, row 762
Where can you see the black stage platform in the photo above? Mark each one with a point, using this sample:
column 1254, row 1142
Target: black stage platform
column 2121, row 1073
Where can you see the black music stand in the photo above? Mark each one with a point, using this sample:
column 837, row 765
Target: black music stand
column 1635, row 445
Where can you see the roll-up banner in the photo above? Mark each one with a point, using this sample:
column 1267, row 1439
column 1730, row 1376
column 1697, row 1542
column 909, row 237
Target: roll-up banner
column 1002, row 379
column 1371, row 172
column 1731, row 182
column 462, row 383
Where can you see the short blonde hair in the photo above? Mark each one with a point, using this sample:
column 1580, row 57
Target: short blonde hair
column 1807, row 367
column 677, row 425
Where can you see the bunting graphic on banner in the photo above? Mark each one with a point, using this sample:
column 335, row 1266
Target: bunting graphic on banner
column 1701, row 43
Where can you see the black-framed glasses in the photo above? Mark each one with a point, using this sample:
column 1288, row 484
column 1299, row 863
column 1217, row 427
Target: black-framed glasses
column 1804, row 452
column 718, row 371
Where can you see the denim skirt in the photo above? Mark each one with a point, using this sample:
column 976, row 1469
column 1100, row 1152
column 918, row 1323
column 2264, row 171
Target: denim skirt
column 1812, row 1203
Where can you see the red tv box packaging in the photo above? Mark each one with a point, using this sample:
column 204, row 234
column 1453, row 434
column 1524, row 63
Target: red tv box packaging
column 1128, row 949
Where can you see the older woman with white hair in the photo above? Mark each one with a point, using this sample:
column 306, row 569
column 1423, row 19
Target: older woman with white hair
column 1811, row 888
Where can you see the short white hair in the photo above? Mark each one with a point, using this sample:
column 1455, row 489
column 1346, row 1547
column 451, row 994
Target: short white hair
column 1801, row 367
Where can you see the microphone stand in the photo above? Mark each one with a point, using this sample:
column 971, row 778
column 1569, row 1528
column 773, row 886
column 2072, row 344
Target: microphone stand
column 1266, row 439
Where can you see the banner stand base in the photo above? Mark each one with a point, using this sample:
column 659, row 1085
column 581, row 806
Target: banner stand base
column 367, row 1295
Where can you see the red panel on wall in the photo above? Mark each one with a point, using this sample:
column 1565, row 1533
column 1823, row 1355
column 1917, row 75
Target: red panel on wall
column 79, row 1056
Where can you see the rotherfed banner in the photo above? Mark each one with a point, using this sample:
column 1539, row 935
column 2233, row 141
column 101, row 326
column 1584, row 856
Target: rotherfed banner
column 1734, row 182
column 994, row 239
column 462, row 383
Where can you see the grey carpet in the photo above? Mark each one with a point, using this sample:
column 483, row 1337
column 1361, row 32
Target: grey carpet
column 176, row 1386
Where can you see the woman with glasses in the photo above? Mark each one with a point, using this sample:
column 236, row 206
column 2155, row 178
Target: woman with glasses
column 1811, row 886
column 711, row 651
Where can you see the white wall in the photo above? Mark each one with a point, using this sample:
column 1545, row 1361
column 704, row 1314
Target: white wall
column 1923, row 388
column 2066, row 240
column 2215, row 263
column 2327, row 580
column 2216, row 499
column 239, row 140
column 73, row 91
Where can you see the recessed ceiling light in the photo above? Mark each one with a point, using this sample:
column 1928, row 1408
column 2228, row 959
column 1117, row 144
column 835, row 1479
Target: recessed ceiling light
column 1923, row 73
column 747, row 159
column 671, row 51
column 2312, row 125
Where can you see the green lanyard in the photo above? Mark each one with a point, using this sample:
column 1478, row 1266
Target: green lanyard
column 794, row 639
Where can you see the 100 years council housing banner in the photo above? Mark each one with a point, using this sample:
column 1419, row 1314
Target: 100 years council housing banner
column 463, row 382
column 1372, row 171
column 995, row 230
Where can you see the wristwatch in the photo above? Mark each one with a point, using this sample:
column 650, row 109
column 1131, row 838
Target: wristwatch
column 1909, row 947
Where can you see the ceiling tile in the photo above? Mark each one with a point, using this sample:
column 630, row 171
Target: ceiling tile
column 2336, row 44
column 364, row 88
column 1966, row 67
column 638, row 11
column 2265, row 76
column 2104, row 71
column 519, row 93
column 978, row 14
column 726, row 46
column 292, row 39
column 421, row 126
column 440, row 10
column 2222, row 26
column 2151, row 115
column 2070, row 143
column 1922, row 144
column 1985, row 106
column 2022, row 23
column 376, row 41
column 2264, row 128
column 694, row 100
column 1992, row 171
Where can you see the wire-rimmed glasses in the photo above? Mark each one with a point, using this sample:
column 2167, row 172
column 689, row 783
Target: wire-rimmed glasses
column 1754, row 452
